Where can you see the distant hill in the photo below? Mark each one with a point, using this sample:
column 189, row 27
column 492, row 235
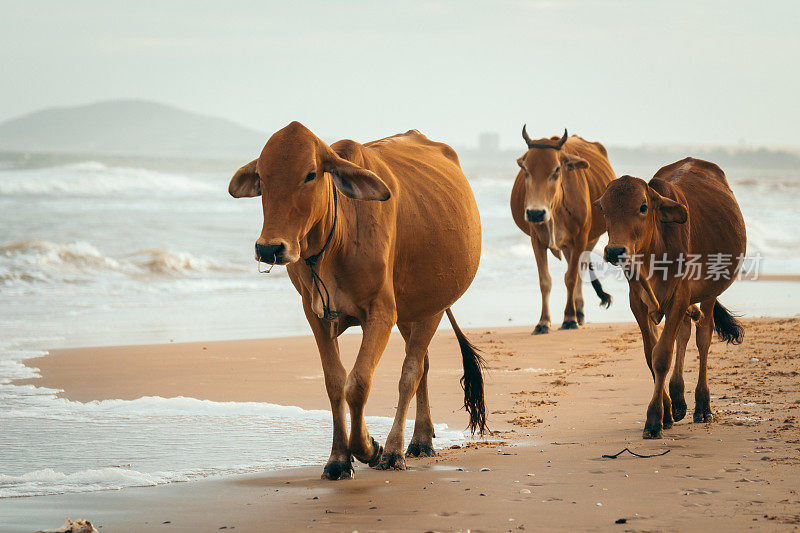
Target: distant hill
column 128, row 127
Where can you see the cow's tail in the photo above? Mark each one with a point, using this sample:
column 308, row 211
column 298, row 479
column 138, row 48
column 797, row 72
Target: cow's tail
column 728, row 328
column 605, row 298
column 472, row 381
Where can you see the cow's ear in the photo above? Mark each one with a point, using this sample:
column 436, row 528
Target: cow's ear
column 356, row 182
column 573, row 162
column 670, row 210
column 245, row 183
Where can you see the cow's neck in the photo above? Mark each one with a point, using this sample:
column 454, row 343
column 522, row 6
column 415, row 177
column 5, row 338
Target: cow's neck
column 318, row 237
column 567, row 209
column 657, row 249
column 320, row 245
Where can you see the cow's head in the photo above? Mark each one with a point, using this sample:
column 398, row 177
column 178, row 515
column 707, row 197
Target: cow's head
column 632, row 210
column 544, row 166
column 293, row 177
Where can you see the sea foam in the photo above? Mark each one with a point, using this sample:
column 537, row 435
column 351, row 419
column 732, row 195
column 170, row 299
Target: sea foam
column 35, row 260
column 53, row 445
column 94, row 179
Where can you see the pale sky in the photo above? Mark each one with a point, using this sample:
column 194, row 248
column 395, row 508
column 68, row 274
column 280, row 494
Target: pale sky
column 623, row 72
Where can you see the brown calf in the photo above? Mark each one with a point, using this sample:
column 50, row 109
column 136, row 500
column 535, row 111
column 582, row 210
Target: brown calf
column 374, row 235
column 680, row 239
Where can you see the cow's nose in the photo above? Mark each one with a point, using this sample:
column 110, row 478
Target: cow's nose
column 534, row 215
column 270, row 253
column 613, row 254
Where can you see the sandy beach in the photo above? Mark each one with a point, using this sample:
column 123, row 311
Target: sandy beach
column 185, row 186
column 557, row 403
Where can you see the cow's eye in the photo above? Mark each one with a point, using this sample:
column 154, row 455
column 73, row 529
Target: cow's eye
column 643, row 209
column 555, row 173
column 310, row 176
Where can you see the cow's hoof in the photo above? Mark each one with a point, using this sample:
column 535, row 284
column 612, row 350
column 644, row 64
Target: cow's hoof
column 569, row 324
column 694, row 313
column 703, row 416
column 541, row 329
column 651, row 432
column 336, row 470
column 678, row 408
column 376, row 455
column 668, row 424
column 373, row 459
column 391, row 461
column 416, row 449
column 580, row 317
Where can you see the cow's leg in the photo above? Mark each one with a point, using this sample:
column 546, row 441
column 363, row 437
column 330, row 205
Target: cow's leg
column 376, row 332
column 545, row 283
column 579, row 288
column 340, row 462
column 639, row 309
column 419, row 337
column 659, row 412
column 573, row 256
column 703, row 334
column 421, row 444
column 579, row 316
column 676, row 386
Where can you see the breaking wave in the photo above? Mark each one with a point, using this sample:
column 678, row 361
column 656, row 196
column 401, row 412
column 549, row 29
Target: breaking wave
column 154, row 440
column 49, row 481
column 37, row 261
column 92, row 178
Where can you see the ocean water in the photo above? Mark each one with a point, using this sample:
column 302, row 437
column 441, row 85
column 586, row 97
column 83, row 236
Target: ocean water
column 98, row 252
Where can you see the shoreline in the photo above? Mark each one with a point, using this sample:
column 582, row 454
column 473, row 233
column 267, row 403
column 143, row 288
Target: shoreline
column 739, row 471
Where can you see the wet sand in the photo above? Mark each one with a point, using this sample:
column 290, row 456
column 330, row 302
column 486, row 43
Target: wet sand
column 557, row 403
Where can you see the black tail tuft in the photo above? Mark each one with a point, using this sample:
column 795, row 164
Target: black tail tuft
column 472, row 380
column 605, row 298
column 728, row 328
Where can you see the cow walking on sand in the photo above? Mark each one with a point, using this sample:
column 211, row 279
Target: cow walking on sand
column 680, row 240
column 373, row 234
column 551, row 201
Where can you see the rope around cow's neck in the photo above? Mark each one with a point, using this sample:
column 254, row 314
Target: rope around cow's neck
column 327, row 312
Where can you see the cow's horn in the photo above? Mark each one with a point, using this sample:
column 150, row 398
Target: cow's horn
column 525, row 135
column 563, row 139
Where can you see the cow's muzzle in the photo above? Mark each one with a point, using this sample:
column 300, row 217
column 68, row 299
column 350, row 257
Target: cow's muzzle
column 615, row 255
column 536, row 215
column 274, row 254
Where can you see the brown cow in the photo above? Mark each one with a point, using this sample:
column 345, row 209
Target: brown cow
column 680, row 237
column 374, row 235
column 551, row 201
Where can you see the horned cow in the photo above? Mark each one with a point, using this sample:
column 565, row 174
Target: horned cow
column 551, row 201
